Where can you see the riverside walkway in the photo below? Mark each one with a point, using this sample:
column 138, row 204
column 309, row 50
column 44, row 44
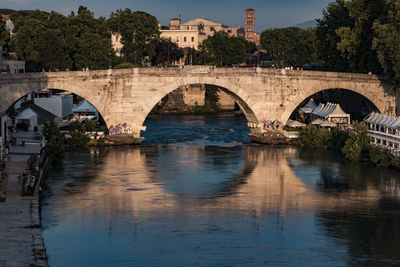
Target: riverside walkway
column 21, row 242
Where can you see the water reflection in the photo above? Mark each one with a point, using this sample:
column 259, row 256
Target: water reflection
column 234, row 205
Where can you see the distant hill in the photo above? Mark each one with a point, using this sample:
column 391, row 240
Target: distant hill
column 308, row 24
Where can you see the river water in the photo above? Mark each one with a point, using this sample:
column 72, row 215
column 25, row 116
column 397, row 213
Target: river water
column 197, row 193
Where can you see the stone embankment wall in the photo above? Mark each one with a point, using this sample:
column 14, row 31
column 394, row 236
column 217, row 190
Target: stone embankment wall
column 21, row 242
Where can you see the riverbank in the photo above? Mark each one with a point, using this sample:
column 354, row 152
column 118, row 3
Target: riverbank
column 20, row 225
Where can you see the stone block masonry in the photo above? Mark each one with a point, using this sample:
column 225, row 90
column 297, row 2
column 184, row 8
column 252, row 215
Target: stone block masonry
column 127, row 96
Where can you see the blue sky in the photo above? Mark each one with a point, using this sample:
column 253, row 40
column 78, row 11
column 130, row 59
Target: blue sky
column 269, row 13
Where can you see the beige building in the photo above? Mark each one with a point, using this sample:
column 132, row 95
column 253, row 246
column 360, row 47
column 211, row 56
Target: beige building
column 193, row 32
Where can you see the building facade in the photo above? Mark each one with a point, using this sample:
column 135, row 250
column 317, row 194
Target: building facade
column 384, row 131
column 193, row 32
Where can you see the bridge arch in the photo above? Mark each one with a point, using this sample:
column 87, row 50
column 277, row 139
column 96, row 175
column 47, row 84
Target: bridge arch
column 21, row 94
column 239, row 95
column 293, row 105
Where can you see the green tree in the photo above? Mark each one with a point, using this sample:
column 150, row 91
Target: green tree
column 381, row 157
column 357, row 146
column 53, row 41
column 387, row 42
column 222, row 49
column 167, row 52
column 292, row 46
column 139, row 34
column 335, row 16
column 4, row 36
column 250, row 46
column 356, row 38
column 55, row 141
column 89, row 40
column 28, row 35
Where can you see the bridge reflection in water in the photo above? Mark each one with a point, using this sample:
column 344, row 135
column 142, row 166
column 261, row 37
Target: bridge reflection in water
column 158, row 194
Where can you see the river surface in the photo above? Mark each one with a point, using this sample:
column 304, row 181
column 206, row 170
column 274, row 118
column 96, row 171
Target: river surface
column 197, row 193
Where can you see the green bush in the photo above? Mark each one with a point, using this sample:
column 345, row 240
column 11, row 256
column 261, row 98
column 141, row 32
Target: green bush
column 381, row 157
column 357, row 146
column 78, row 139
column 313, row 136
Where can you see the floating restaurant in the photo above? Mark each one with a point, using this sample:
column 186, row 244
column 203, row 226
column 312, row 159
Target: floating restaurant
column 384, row 131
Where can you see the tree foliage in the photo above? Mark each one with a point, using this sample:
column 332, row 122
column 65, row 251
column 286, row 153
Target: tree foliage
column 357, row 146
column 222, row 50
column 290, row 46
column 4, row 36
column 387, row 41
column 53, row 41
column 356, row 37
column 335, row 16
column 139, row 34
column 166, row 52
column 55, row 141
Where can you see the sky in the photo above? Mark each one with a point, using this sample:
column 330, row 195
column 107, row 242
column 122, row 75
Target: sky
column 269, row 13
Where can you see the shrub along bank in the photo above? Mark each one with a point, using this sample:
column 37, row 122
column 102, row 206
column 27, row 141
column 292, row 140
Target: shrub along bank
column 355, row 145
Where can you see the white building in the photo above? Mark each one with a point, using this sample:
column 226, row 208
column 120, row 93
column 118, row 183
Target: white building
column 59, row 104
column 384, row 131
column 27, row 120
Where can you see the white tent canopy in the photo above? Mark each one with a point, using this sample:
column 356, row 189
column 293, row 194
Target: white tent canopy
column 295, row 124
column 331, row 112
column 309, row 108
column 85, row 107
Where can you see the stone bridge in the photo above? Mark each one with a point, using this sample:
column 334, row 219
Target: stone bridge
column 128, row 95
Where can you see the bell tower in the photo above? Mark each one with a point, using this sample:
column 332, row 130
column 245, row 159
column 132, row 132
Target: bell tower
column 250, row 24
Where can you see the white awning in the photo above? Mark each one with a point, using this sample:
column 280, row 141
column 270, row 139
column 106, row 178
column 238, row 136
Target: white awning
column 384, row 120
column 317, row 121
column 295, row 124
column 328, row 124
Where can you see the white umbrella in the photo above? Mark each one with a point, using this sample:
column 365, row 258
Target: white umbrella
column 328, row 124
column 317, row 121
column 295, row 124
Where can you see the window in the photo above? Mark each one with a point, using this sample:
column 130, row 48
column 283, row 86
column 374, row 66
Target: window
column 249, row 15
column 229, row 31
column 192, row 38
column 187, row 28
column 177, row 39
column 249, row 22
column 249, row 29
column 184, row 39
column 212, row 29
